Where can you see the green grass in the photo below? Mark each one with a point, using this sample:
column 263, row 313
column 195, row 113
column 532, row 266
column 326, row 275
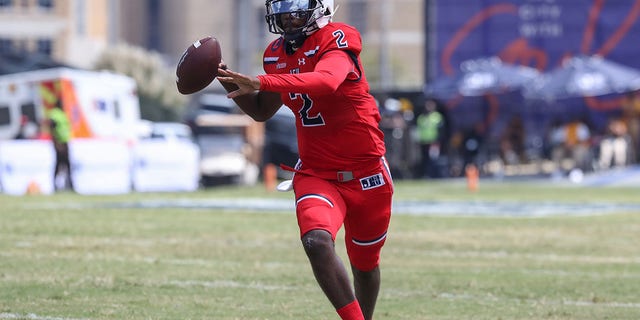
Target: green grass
column 68, row 256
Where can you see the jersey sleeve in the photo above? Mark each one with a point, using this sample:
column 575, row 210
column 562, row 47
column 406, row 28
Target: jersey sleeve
column 332, row 69
column 343, row 37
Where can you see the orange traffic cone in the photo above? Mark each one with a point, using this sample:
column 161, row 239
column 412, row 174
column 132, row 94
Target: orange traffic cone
column 33, row 188
column 473, row 177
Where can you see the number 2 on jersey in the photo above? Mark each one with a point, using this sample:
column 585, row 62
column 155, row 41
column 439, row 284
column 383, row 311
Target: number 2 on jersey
column 307, row 104
column 341, row 42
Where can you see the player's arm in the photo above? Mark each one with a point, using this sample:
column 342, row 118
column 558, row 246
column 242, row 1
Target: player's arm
column 259, row 105
column 329, row 73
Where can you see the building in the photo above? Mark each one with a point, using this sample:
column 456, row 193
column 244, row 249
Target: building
column 75, row 32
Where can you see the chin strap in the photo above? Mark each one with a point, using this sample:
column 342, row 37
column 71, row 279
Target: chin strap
column 335, row 10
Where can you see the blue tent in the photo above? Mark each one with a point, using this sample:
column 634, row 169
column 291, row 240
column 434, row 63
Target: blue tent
column 482, row 76
column 584, row 76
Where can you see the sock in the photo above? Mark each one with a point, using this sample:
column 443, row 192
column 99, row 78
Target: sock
column 351, row 311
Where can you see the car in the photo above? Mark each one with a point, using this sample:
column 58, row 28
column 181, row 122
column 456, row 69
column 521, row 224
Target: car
column 220, row 130
column 169, row 131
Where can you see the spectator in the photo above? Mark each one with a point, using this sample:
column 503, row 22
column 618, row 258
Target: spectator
column 430, row 125
column 472, row 143
column 631, row 116
column 60, row 129
column 614, row 145
column 28, row 129
column 512, row 142
column 394, row 126
column 571, row 141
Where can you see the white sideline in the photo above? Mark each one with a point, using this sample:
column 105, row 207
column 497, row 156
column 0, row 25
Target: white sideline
column 419, row 208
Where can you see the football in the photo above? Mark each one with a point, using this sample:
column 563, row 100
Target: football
column 198, row 65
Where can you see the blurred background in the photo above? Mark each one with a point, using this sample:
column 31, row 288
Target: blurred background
column 512, row 88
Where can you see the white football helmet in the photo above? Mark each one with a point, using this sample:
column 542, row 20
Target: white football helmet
column 318, row 13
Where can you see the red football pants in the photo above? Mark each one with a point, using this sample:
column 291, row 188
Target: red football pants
column 362, row 205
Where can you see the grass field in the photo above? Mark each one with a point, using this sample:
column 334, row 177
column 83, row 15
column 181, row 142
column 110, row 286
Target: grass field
column 68, row 257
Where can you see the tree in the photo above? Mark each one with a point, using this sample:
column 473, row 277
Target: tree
column 159, row 98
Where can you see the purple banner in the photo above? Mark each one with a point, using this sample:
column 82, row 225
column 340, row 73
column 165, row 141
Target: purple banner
column 536, row 33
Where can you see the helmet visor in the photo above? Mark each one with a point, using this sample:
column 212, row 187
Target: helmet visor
column 288, row 6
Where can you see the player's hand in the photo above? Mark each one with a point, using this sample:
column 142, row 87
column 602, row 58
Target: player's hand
column 246, row 84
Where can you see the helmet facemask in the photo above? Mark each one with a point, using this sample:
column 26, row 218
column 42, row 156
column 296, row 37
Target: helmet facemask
column 296, row 19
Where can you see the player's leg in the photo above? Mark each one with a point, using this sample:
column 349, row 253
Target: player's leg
column 366, row 273
column 320, row 211
column 367, row 286
column 67, row 166
column 366, row 226
column 327, row 267
column 59, row 165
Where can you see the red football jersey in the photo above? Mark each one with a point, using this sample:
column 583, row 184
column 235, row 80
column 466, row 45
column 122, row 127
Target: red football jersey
column 337, row 119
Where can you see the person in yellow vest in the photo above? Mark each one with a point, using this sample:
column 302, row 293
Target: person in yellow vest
column 60, row 130
column 430, row 124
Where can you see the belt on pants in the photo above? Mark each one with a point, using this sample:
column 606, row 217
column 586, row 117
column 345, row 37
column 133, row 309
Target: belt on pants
column 341, row 176
column 344, row 176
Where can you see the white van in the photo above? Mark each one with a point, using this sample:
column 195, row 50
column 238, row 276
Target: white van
column 100, row 104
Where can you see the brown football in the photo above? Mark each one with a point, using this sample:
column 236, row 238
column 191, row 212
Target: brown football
column 198, row 65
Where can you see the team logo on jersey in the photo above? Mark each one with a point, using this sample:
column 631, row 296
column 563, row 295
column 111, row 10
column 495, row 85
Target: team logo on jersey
column 312, row 52
column 371, row 182
column 277, row 44
column 302, row 61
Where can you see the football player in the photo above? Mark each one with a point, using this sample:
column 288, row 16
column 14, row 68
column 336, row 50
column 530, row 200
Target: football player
column 341, row 178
